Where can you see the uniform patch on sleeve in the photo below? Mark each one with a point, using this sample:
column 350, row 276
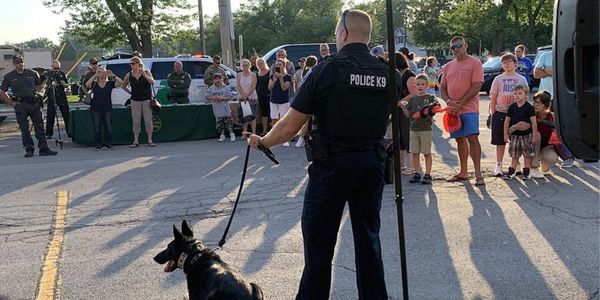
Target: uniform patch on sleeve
column 367, row 80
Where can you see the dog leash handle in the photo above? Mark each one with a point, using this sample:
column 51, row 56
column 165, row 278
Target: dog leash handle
column 268, row 153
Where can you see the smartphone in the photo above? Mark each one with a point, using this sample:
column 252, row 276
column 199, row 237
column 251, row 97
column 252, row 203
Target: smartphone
column 278, row 69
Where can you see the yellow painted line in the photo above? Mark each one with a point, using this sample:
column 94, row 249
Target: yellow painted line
column 49, row 280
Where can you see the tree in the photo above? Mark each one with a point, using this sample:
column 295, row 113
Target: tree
column 112, row 23
column 266, row 24
column 38, row 43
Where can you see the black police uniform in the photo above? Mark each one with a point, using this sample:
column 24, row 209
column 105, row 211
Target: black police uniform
column 24, row 93
column 347, row 93
column 56, row 96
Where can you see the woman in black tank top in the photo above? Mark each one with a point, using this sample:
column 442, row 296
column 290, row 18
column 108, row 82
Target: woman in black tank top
column 408, row 87
column 263, row 93
column 140, row 81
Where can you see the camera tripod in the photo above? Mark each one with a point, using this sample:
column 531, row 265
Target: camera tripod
column 59, row 142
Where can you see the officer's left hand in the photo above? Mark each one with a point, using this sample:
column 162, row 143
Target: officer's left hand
column 253, row 139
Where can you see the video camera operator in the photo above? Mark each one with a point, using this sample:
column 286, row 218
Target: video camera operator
column 24, row 84
column 55, row 92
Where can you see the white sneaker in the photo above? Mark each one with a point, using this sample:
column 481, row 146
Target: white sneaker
column 498, row 171
column 222, row 138
column 286, row 144
column 567, row 163
column 536, row 174
column 300, row 142
column 232, row 136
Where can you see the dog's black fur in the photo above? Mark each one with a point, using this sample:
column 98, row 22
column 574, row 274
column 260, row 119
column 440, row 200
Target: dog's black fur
column 208, row 277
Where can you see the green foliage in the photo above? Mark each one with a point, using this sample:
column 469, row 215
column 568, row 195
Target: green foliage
column 38, row 43
column 111, row 23
column 266, row 24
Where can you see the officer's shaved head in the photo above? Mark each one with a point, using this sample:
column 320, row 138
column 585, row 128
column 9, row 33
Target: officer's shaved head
column 354, row 27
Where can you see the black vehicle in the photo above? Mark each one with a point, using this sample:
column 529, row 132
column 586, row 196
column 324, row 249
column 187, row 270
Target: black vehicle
column 296, row 51
column 491, row 68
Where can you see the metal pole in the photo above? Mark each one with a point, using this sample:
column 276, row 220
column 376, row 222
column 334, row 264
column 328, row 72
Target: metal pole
column 241, row 41
column 226, row 26
column 393, row 92
column 201, row 28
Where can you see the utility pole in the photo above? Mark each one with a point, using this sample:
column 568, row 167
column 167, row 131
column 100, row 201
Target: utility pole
column 201, row 28
column 226, row 32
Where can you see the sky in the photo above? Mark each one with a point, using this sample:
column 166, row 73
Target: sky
column 40, row 21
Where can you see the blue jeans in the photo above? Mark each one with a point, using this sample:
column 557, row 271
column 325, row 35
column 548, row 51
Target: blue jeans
column 356, row 178
column 102, row 127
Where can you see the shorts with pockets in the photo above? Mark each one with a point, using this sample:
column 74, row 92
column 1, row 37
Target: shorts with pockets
column 420, row 142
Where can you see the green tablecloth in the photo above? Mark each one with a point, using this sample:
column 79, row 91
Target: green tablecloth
column 173, row 123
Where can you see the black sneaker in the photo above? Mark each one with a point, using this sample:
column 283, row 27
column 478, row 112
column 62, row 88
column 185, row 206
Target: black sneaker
column 526, row 174
column 510, row 174
column 28, row 153
column 47, row 152
column 426, row 179
column 98, row 148
column 415, row 178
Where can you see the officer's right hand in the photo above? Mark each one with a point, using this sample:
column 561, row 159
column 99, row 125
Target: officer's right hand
column 253, row 139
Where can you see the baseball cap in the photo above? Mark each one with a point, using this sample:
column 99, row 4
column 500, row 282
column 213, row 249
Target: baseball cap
column 93, row 61
column 403, row 50
column 17, row 59
column 217, row 74
column 378, row 51
column 216, row 57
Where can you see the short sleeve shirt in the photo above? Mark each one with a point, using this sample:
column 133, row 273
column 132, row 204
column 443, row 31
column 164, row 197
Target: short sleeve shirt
column 459, row 75
column 278, row 95
column 414, row 105
column 220, row 108
column 502, row 87
column 545, row 61
column 21, row 85
column 102, row 99
column 524, row 66
column 518, row 114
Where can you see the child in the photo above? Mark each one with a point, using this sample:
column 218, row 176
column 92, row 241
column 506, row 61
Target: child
column 420, row 129
column 521, row 141
column 501, row 97
column 432, row 71
column 219, row 95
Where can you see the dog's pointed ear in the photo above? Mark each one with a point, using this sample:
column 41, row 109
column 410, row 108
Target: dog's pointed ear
column 186, row 229
column 178, row 236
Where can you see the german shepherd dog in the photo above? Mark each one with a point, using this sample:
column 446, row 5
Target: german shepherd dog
column 208, row 277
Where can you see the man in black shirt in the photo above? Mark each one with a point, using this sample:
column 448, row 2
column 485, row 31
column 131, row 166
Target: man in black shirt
column 347, row 94
column 23, row 84
column 55, row 91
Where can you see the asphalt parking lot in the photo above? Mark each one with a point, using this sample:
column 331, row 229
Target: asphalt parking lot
column 536, row 239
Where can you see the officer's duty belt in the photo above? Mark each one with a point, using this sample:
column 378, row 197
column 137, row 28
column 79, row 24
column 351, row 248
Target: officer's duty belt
column 339, row 149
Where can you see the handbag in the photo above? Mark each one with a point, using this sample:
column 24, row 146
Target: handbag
column 154, row 103
column 246, row 111
column 87, row 99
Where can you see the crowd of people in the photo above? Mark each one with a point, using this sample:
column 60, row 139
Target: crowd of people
column 266, row 92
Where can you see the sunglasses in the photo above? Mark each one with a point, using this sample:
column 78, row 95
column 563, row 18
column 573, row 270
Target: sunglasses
column 343, row 20
column 93, row 64
column 132, row 63
column 18, row 62
column 457, row 46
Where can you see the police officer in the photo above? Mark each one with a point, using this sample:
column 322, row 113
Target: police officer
column 23, row 84
column 179, row 82
column 347, row 95
column 93, row 67
column 56, row 81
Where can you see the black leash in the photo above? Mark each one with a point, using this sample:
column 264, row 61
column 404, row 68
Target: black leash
column 270, row 155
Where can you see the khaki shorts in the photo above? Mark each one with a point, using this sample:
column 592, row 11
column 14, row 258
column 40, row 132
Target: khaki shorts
column 420, row 142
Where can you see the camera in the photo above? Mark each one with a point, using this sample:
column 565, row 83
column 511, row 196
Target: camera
column 278, row 69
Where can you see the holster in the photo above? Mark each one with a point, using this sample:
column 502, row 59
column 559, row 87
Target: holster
column 316, row 149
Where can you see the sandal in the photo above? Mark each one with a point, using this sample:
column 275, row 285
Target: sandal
column 456, row 178
column 479, row 181
column 151, row 145
column 134, row 145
